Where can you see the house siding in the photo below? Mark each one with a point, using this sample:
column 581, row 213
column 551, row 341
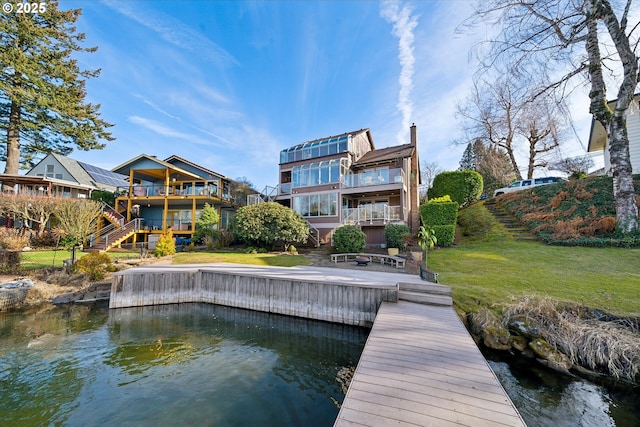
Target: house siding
column 41, row 169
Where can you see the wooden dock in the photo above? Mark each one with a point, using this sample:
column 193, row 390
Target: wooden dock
column 420, row 367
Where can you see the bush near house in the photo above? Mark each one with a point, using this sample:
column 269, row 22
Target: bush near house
column 464, row 187
column 265, row 224
column 396, row 235
column 577, row 212
column 349, row 239
column 166, row 244
column 441, row 215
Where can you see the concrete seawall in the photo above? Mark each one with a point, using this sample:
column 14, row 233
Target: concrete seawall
column 309, row 292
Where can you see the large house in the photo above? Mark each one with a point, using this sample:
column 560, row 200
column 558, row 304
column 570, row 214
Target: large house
column 60, row 176
column 344, row 179
column 163, row 194
column 598, row 138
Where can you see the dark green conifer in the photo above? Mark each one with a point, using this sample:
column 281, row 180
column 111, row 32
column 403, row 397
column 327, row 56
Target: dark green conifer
column 42, row 88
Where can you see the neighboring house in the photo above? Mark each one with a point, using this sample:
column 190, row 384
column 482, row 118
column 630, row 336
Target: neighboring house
column 162, row 194
column 60, row 176
column 344, row 179
column 598, row 138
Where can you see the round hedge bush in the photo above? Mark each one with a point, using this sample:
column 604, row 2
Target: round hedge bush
column 348, row 239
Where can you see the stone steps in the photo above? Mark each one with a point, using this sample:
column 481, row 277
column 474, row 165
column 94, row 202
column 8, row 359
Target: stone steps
column 509, row 221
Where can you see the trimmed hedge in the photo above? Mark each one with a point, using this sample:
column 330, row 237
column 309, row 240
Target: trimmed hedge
column 445, row 234
column 349, row 239
column 464, row 187
column 434, row 214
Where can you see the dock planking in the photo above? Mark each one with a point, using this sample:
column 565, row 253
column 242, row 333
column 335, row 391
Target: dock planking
column 420, row 367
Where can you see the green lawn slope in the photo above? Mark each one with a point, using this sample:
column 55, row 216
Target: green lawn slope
column 486, row 267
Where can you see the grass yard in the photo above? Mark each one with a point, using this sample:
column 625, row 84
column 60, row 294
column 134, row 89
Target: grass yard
column 33, row 260
column 490, row 273
column 270, row 259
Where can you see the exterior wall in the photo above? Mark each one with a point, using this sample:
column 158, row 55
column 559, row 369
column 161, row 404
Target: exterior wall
column 41, row 170
column 633, row 127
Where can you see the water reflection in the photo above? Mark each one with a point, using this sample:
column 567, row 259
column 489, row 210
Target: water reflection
column 187, row 364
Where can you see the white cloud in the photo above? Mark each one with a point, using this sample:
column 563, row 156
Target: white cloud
column 166, row 131
column 403, row 26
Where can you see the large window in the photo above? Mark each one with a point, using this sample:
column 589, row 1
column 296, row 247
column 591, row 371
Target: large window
column 316, row 205
column 315, row 149
column 327, row 172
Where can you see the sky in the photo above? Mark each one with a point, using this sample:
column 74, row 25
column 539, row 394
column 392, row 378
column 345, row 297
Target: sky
column 228, row 84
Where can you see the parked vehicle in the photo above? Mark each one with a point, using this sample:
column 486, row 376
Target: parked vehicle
column 526, row 183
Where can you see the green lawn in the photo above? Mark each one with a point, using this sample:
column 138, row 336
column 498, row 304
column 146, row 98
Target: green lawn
column 493, row 273
column 271, row 259
column 33, row 260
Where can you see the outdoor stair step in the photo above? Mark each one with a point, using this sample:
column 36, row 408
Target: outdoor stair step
column 426, row 299
column 425, row 288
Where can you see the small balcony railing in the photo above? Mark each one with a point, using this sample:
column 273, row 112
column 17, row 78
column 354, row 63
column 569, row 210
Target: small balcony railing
column 371, row 214
column 366, row 179
column 196, row 188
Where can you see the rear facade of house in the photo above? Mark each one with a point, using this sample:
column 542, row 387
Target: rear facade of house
column 344, row 179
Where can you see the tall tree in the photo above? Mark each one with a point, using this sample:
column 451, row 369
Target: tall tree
column 42, row 88
column 468, row 160
column 559, row 40
column 504, row 113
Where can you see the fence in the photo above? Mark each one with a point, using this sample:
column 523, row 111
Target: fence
column 23, row 261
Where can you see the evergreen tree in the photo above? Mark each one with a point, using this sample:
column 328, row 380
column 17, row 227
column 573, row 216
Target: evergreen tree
column 42, row 88
column 468, row 160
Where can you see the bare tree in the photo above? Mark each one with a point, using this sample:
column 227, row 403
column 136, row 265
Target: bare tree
column 557, row 40
column 428, row 171
column 504, row 113
column 575, row 167
column 30, row 209
column 77, row 218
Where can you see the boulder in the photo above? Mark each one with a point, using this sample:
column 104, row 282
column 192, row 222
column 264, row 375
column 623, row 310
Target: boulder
column 523, row 326
column 549, row 356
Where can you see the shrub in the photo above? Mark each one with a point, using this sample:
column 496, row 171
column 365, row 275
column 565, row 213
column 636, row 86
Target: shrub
column 348, row 239
column 166, row 245
column 396, row 235
column 95, row 264
column 293, row 250
column 9, row 261
column 12, row 240
column 435, row 213
column 464, row 187
column 265, row 223
column 445, row 234
column 43, row 240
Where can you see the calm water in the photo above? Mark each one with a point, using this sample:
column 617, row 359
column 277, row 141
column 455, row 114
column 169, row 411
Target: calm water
column 545, row 398
column 206, row 365
column 188, row 364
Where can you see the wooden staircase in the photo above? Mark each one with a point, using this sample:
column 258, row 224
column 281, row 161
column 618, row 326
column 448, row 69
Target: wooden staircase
column 425, row 293
column 117, row 236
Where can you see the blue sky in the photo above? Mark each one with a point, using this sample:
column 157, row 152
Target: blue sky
column 228, row 84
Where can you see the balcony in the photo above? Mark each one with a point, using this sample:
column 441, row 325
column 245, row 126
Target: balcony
column 367, row 179
column 372, row 214
column 199, row 189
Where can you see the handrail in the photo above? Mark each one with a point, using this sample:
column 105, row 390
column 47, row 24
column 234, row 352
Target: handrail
column 312, row 229
column 112, row 211
column 130, row 227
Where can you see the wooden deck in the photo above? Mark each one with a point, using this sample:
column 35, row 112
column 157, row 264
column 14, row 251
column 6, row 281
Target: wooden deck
column 420, row 367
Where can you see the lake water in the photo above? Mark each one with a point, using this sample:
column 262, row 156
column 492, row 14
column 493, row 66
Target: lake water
column 207, row 365
column 188, row 364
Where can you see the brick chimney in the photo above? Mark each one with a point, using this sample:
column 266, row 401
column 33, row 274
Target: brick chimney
column 414, row 183
column 414, row 135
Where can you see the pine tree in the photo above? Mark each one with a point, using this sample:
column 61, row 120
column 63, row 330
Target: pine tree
column 468, row 160
column 42, row 88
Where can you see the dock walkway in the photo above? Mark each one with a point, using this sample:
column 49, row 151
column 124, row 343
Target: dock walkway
column 420, row 367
